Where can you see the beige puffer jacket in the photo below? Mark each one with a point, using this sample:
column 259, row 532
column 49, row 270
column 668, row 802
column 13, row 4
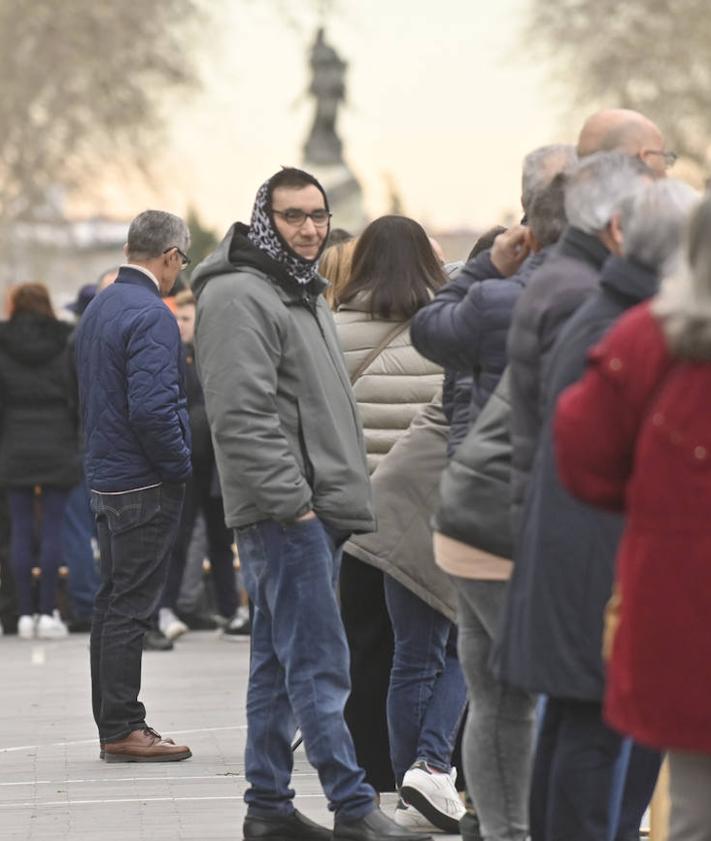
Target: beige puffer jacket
column 394, row 386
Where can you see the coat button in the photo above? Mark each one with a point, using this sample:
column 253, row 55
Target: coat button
column 615, row 364
column 700, row 453
column 658, row 419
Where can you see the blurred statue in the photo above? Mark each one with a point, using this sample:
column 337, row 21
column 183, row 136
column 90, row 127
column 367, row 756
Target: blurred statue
column 328, row 87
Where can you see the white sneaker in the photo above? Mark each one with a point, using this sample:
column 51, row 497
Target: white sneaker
column 409, row 818
column 434, row 796
column 51, row 627
column 170, row 625
column 26, row 627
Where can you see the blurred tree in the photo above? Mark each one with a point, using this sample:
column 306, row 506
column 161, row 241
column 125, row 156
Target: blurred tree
column 650, row 55
column 81, row 82
column 202, row 240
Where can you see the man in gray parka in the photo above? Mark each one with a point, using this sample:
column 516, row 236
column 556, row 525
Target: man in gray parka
column 292, row 466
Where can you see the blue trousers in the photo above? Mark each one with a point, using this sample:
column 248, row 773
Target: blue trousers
column 77, row 533
column 299, row 670
column 427, row 693
column 52, row 503
column 573, row 775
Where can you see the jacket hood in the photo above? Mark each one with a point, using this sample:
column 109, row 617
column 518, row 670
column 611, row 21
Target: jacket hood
column 629, row 279
column 34, row 339
column 236, row 253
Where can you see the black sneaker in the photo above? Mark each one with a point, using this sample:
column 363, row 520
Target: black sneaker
column 293, row 827
column 469, row 827
column 154, row 640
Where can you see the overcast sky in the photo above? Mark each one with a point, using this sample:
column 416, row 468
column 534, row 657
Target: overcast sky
column 441, row 97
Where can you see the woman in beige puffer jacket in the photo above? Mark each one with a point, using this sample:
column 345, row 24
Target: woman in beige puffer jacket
column 394, row 273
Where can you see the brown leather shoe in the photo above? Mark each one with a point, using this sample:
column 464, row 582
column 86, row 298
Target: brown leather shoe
column 102, row 745
column 145, row 746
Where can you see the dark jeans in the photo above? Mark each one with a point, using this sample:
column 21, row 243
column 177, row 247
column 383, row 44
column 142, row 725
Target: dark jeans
column 573, row 775
column 22, row 537
column 77, row 533
column 427, row 695
column 370, row 642
column 136, row 532
column 298, row 669
column 219, row 546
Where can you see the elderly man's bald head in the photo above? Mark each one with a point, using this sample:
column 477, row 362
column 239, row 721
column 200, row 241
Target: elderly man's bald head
column 622, row 130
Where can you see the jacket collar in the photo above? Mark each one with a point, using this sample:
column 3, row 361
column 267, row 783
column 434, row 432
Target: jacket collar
column 629, row 279
column 581, row 246
column 135, row 278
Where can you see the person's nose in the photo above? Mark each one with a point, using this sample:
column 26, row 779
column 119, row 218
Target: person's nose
column 308, row 228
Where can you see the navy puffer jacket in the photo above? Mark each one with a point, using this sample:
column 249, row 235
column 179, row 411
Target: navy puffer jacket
column 133, row 404
column 465, row 325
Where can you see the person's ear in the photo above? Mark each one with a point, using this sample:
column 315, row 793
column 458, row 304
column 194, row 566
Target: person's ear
column 125, row 250
column 616, row 233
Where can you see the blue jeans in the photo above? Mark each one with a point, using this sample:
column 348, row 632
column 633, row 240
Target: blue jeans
column 573, row 774
column 77, row 533
column 136, row 532
column 427, row 693
column 22, row 512
column 299, row 669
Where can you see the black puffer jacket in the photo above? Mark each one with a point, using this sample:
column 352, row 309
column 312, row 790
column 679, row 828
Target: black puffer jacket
column 38, row 430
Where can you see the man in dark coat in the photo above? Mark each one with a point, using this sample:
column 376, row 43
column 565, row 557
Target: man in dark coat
column 137, row 459
column 564, row 563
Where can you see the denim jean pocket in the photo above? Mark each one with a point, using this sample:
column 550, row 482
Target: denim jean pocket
column 129, row 510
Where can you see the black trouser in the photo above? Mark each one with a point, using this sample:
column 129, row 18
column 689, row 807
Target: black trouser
column 136, row 533
column 573, row 775
column 370, row 641
column 219, row 545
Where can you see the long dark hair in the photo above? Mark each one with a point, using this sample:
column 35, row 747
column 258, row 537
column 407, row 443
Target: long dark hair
column 395, row 265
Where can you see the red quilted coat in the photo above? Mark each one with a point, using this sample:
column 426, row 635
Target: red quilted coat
column 634, row 435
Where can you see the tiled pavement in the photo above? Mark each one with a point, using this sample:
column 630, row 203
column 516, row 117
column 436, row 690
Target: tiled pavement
column 53, row 785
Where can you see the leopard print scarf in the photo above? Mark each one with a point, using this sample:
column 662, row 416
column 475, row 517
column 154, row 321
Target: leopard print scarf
column 264, row 236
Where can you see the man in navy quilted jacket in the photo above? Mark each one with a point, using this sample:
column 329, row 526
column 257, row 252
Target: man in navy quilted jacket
column 137, row 459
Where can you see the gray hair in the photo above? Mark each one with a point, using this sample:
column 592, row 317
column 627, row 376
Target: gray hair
column 541, row 166
column 684, row 302
column 546, row 214
column 597, row 186
column 155, row 231
column 653, row 223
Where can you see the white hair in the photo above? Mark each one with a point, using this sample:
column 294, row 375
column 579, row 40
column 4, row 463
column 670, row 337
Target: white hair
column 541, row 166
column 653, row 223
column 684, row 302
column 597, row 186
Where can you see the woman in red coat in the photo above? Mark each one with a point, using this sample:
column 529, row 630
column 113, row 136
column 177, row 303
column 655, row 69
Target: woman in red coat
column 634, row 435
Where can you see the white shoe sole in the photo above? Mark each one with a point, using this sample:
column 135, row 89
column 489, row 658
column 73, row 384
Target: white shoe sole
column 414, row 797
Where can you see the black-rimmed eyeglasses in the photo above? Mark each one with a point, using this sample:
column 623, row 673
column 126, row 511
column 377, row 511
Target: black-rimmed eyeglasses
column 185, row 260
column 296, row 218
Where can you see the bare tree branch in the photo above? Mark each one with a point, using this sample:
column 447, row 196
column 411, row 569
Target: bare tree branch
column 650, row 55
column 81, row 83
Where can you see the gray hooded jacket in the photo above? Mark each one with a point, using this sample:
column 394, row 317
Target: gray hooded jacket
column 283, row 419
